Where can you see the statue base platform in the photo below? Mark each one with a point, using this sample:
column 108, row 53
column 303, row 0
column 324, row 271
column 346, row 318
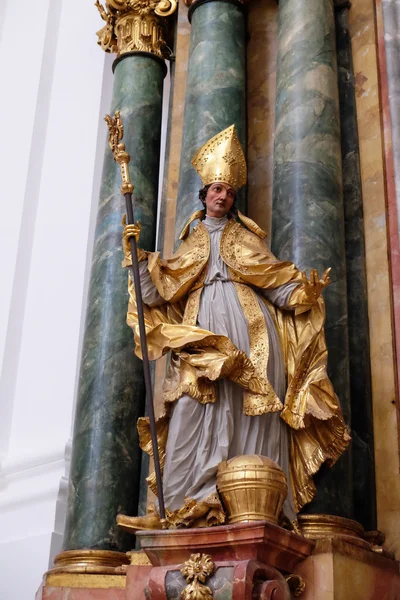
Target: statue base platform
column 237, row 562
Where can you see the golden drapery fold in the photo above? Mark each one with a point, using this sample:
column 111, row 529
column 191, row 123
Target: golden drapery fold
column 199, row 357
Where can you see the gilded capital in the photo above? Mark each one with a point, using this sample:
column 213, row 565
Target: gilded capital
column 136, row 25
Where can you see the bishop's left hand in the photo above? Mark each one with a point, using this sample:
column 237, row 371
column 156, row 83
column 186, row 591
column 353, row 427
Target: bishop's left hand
column 313, row 287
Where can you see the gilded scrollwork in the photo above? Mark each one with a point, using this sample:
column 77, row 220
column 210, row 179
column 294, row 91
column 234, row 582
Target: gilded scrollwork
column 106, row 36
column 135, row 25
column 165, row 8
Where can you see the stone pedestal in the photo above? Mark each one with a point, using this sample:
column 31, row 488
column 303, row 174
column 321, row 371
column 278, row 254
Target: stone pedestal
column 340, row 570
column 245, row 561
column 258, row 541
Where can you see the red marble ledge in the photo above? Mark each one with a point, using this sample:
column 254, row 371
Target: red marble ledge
column 259, row 540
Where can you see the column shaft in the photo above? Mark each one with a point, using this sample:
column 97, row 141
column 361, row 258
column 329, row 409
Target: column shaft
column 359, row 346
column 215, row 92
column 105, row 466
column 308, row 223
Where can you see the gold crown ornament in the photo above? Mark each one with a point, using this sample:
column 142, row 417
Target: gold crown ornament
column 222, row 159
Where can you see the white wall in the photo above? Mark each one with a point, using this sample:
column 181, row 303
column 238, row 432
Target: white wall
column 56, row 87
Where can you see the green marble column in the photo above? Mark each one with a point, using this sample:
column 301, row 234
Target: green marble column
column 308, row 221
column 215, row 92
column 105, row 466
column 359, row 348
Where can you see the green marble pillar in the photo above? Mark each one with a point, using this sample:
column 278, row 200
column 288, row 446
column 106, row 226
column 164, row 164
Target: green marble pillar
column 359, row 347
column 308, row 221
column 105, row 466
column 215, row 92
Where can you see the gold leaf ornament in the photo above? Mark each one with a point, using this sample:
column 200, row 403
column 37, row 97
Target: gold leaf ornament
column 136, row 25
column 196, row 570
column 115, row 129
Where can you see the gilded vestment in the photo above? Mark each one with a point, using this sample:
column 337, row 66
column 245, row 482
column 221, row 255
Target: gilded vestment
column 200, row 358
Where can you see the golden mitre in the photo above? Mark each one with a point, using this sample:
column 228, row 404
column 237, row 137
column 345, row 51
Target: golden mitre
column 222, row 159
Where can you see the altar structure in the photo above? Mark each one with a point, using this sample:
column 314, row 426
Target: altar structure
column 312, row 88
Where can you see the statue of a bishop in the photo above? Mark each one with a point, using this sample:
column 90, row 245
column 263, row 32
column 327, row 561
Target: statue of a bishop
column 248, row 366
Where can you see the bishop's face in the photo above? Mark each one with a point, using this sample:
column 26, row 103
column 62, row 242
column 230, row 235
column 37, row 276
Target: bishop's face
column 219, row 199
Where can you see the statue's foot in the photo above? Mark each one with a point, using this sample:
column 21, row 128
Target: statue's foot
column 132, row 524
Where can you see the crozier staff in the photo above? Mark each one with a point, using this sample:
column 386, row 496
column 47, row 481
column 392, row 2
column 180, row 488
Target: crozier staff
column 248, row 365
column 116, row 133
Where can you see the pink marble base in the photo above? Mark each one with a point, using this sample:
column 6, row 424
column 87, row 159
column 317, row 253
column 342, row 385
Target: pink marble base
column 338, row 570
column 137, row 579
column 64, row 593
column 236, row 580
column 259, row 540
column 249, row 560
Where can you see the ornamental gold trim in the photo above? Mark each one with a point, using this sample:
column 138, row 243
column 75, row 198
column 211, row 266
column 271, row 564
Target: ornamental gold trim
column 85, row 581
column 196, row 570
column 86, row 558
column 320, row 526
column 91, row 563
column 139, row 557
column 136, row 26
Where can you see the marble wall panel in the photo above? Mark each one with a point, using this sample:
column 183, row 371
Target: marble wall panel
column 176, row 119
column 356, row 579
column 388, row 27
column 262, row 28
column 349, row 574
column 366, row 69
column 174, row 155
column 317, row 573
column 389, row 32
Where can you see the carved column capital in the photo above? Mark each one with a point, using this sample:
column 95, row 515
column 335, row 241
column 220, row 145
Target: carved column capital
column 135, row 26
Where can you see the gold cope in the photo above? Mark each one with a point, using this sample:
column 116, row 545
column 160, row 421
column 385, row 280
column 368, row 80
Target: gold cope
column 199, row 357
column 317, row 432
